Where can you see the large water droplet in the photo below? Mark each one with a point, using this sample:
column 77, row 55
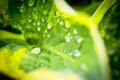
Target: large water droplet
column 76, row 53
column 78, row 39
column 23, row 8
column 31, row 2
column 45, row 12
column 43, row 1
column 49, row 26
column 68, row 37
column 36, row 50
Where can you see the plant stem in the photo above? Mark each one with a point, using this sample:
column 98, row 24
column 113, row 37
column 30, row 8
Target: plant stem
column 102, row 9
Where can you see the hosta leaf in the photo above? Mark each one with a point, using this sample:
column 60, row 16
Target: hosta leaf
column 59, row 39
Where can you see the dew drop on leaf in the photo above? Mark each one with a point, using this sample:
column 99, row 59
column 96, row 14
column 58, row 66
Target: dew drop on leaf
column 48, row 36
column 38, row 29
column 41, row 65
column 42, row 20
column 83, row 66
column 31, row 2
column 67, row 24
column 23, row 8
column 45, row 12
column 43, row 1
column 57, row 14
column 75, row 31
column 68, row 37
column 61, row 23
column 29, row 20
column 36, row 50
column 49, row 25
column 76, row 53
column 78, row 39
column 34, row 23
column 38, row 23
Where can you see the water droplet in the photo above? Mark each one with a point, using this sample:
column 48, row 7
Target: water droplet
column 78, row 39
column 75, row 31
column 39, row 29
column 61, row 23
column 23, row 8
column 76, row 53
column 48, row 35
column 34, row 23
column 41, row 64
column 36, row 50
column 49, row 26
column 29, row 20
column 68, row 37
column 45, row 12
column 43, row 1
column 67, row 24
column 57, row 14
column 64, row 51
column 31, row 2
column 41, row 7
column 27, row 26
column 42, row 19
column 38, row 23
column 83, row 66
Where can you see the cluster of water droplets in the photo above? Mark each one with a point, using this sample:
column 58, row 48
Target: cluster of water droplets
column 75, row 53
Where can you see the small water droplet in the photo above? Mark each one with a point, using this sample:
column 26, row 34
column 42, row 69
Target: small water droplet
column 48, row 35
column 67, row 24
column 41, row 64
column 39, row 29
column 38, row 23
column 29, row 20
column 49, row 26
column 27, row 26
column 34, row 23
column 61, row 23
column 23, row 8
column 78, row 39
column 76, row 53
column 64, row 51
column 68, row 37
column 43, row 1
column 42, row 19
column 36, row 50
column 57, row 14
column 41, row 7
column 83, row 66
column 31, row 2
column 45, row 12
column 75, row 31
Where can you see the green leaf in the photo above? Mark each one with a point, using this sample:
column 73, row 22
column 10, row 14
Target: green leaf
column 59, row 39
